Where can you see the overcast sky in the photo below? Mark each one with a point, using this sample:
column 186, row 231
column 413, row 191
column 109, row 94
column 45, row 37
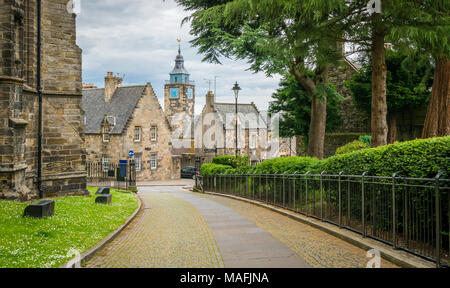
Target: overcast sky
column 137, row 38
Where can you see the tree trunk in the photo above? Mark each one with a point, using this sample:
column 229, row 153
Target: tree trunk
column 437, row 122
column 392, row 123
column 379, row 74
column 316, row 145
column 316, row 139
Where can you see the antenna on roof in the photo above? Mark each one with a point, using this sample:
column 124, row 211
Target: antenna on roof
column 209, row 81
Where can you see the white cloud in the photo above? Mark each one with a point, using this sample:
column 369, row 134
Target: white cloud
column 137, row 38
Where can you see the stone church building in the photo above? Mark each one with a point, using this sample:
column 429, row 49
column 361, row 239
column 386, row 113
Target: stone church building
column 57, row 166
column 119, row 119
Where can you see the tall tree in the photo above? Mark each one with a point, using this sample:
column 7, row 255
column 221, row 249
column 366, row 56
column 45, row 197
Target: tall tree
column 430, row 37
column 294, row 105
column 408, row 85
column 274, row 37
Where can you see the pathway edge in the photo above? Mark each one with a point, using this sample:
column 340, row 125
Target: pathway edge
column 85, row 256
column 398, row 257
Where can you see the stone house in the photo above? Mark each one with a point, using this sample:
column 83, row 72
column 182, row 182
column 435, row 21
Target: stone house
column 119, row 119
column 57, row 166
column 215, row 131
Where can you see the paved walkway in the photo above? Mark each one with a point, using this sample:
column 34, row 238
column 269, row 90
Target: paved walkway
column 181, row 229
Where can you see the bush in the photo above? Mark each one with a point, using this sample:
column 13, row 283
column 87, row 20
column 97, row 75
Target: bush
column 418, row 159
column 215, row 169
column 286, row 165
column 366, row 139
column 351, row 147
column 232, row 161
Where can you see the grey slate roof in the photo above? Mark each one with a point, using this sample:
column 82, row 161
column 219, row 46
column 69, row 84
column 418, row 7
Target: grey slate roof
column 246, row 112
column 121, row 107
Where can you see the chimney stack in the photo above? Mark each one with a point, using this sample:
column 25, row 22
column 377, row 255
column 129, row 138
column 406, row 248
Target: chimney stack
column 210, row 99
column 111, row 84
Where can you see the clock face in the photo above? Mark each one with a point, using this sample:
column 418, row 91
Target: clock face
column 174, row 93
column 190, row 93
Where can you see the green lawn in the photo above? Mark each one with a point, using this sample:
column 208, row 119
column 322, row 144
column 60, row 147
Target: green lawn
column 78, row 224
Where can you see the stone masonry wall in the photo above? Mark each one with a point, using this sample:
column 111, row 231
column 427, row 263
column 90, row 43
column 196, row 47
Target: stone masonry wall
column 63, row 133
column 354, row 121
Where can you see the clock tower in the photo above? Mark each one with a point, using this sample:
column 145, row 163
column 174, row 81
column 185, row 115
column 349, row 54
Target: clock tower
column 179, row 98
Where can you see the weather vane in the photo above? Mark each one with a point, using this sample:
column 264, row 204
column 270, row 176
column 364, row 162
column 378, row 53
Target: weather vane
column 179, row 45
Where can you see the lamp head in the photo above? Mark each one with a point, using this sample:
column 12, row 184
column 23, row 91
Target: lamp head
column 236, row 89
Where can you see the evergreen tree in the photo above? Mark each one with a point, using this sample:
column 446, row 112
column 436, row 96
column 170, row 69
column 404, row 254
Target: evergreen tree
column 293, row 103
column 409, row 81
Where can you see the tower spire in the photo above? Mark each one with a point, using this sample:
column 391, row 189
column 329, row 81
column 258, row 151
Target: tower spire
column 179, row 46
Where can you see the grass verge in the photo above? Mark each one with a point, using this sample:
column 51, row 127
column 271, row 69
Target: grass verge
column 78, row 225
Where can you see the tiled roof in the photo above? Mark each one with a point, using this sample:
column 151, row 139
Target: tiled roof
column 246, row 112
column 121, row 107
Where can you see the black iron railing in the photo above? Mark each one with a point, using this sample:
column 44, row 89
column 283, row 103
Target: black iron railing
column 113, row 175
column 408, row 213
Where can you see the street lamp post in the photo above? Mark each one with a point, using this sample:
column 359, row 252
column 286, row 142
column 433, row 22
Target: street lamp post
column 236, row 90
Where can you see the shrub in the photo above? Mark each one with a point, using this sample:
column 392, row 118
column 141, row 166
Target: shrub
column 422, row 158
column 351, row 147
column 286, row 165
column 232, row 161
column 214, row 169
column 366, row 139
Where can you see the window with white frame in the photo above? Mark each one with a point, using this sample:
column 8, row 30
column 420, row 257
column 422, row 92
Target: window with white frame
column 105, row 163
column 137, row 134
column 154, row 161
column 105, row 133
column 154, row 133
column 253, row 141
column 138, row 162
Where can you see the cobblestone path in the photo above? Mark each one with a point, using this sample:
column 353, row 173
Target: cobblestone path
column 318, row 248
column 179, row 229
column 168, row 233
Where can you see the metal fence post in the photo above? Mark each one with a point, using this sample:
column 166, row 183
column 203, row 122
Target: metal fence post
column 306, row 191
column 275, row 188
column 267, row 188
column 235, row 183
column 295, row 192
column 284, row 191
column 340, row 199
column 394, row 211
column 321, row 195
column 438, row 220
column 363, row 205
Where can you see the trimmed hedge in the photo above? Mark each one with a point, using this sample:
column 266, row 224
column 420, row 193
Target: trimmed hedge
column 232, row 161
column 286, row 165
column 416, row 159
column 422, row 158
column 215, row 169
column 351, row 147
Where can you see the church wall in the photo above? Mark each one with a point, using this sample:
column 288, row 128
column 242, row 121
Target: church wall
column 63, row 131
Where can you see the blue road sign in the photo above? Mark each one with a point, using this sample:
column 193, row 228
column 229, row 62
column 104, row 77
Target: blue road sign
column 131, row 153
